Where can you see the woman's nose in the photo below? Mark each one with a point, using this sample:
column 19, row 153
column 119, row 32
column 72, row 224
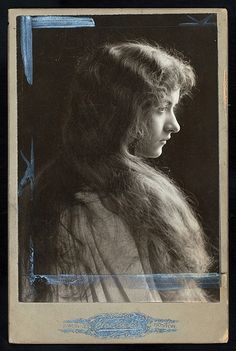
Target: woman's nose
column 172, row 125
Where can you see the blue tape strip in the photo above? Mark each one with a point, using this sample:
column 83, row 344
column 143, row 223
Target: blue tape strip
column 160, row 282
column 62, row 22
column 26, row 47
column 28, row 22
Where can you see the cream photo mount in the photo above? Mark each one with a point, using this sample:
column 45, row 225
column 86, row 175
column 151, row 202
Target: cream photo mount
column 112, row 322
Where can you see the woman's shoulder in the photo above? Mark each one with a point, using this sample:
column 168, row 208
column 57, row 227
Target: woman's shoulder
column 87, row 203
column 92, row 209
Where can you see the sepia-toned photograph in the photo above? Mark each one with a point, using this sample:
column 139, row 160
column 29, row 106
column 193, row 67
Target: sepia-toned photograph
column 118, row 142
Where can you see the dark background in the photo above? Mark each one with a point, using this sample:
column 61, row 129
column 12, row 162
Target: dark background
column 4, row 6
column 191, row 158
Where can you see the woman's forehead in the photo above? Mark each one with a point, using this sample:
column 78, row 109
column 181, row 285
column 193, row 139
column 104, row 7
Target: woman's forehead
column 172, row 97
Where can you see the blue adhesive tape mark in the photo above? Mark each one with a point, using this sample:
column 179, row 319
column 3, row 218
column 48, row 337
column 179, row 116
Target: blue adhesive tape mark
column 199, row 23
column 26, row 47
column 28, row 176
column 160, row 282
column 119, row 325
column 62, row 22
column 27, row 23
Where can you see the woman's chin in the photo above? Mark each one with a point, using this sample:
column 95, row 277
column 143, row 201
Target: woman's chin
column 155, row 154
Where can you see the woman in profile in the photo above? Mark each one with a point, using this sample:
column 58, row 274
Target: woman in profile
column 99, row 208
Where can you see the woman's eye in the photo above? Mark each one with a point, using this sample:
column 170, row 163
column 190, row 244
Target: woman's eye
column 161, row 109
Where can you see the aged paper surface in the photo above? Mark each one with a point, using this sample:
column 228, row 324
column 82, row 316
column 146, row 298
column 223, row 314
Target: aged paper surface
column 152, row 322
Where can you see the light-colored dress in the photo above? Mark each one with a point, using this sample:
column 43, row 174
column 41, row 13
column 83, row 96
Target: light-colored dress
column 94, row 241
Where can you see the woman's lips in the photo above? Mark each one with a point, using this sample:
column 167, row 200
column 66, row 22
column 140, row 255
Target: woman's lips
column 163, row 141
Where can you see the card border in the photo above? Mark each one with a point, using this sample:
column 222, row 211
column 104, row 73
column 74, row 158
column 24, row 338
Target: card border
column 16, row 309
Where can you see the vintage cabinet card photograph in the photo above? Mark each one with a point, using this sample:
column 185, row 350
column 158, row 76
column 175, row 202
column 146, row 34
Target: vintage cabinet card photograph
column 118, row 176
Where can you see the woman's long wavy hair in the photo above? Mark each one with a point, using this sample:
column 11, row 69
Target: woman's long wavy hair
column 113, row 88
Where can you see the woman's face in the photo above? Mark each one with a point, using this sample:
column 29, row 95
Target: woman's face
column 161, row 123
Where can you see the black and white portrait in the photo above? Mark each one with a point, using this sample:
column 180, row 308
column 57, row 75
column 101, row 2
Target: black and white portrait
column 118, row 158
